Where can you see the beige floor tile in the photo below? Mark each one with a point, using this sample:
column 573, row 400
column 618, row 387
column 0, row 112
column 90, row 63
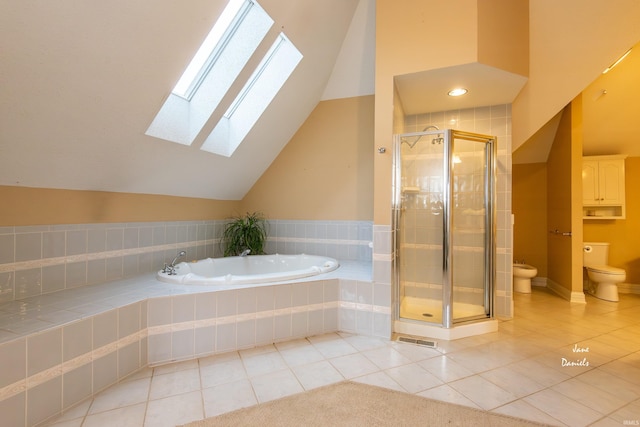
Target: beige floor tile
column 522, row 409
column 174, row 410
column 225, row 371
column 228, row 397
column 446, row 393
column 172, row 383
column 413, row 378
column 512, row 381
column 124, row 394
column 128, row 416
column 445, row 368
column 317, row 374
column 379, row 379
column 482, row 392
column 353, row 365
column 386, row 357
column 275, row 385
column 590, row 396
column 301, row 355
column 264, row 363
column 563, row 408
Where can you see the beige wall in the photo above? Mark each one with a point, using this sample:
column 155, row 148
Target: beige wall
column 38, row 206
column 559, row 204
column 529, row 204
column 624, row 251
column 576, row 35
column 503, row 35
column 326, row 170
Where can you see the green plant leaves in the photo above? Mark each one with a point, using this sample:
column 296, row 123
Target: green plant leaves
column 246, row 232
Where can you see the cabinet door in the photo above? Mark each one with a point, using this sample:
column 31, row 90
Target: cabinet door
column 590, row 191
column 611, row 182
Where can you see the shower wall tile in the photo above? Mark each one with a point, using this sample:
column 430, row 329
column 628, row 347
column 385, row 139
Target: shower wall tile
column 492, row 120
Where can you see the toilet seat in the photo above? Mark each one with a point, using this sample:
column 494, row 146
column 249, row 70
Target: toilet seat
column 605, row 269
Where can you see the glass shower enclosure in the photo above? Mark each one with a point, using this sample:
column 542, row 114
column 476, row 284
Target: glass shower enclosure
column 444, row 222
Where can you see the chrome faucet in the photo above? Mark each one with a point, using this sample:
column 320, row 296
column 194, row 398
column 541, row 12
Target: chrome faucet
column 245, row 252
column 170, row 269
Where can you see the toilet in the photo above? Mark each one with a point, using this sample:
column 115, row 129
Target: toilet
column 522, row 275
column 602, row 279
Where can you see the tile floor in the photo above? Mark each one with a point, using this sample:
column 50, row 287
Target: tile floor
column 521, row 370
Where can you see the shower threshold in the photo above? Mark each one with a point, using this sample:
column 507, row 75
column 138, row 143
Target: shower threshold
column 414, row 323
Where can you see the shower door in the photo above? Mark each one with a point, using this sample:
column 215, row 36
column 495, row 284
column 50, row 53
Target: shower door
column 444, row 226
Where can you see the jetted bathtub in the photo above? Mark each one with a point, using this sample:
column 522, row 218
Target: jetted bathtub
column 248, row 269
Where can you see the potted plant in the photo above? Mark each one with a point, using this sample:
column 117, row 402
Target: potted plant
column 244, row 233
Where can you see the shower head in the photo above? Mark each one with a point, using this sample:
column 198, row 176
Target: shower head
column 411, row 144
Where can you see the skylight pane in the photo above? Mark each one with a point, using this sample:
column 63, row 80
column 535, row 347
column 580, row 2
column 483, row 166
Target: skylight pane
column 261, row 88
column 206, row 54
column 235, row 38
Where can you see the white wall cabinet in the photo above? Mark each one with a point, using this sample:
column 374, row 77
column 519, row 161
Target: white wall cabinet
column 603, row 192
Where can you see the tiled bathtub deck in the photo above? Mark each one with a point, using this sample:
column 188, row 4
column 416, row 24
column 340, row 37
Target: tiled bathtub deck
column 60, row 348
column 516, row 371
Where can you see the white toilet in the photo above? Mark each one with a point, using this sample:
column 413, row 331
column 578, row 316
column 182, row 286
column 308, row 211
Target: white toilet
column 522, row 275
column 602, row 279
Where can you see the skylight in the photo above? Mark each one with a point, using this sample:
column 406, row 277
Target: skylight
column 232, row 41
column 256, row 95
column 225, row 26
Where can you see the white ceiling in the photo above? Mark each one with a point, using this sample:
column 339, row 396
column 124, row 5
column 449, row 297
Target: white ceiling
column 426, row 92
column 610, row 122
column 82, row 81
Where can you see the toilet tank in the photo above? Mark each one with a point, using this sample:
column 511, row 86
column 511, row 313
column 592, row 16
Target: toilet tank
column 595, row 253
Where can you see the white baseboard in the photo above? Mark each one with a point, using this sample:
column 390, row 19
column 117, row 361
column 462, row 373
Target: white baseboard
column 565, row 293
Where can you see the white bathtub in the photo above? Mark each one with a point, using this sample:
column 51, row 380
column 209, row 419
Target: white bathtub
column 249, row 269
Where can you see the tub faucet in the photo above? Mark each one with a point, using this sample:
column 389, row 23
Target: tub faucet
column 245, row 252
column 170, row 269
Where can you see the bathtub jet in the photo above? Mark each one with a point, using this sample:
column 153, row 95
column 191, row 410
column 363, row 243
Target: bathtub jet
column 246, row 270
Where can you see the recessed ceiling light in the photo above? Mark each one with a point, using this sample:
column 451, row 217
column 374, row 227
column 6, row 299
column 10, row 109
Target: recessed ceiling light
column 459, row 91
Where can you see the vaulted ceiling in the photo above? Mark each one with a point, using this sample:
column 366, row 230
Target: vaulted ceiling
column 82, row 81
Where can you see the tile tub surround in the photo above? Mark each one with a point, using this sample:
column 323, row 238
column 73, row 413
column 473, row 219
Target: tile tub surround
column 66, row 346
column 38, row 260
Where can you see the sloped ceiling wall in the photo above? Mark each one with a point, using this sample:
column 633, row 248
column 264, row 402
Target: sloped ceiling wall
column 81, row 82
